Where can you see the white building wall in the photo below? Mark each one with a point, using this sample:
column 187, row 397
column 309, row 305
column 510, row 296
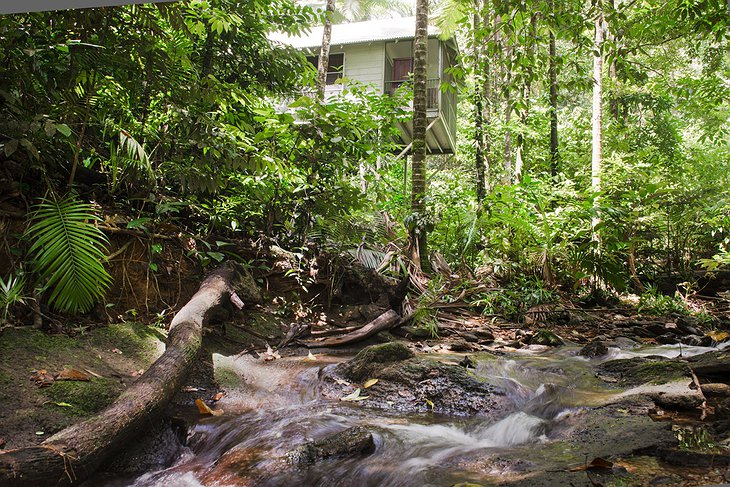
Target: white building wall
column 364, row 63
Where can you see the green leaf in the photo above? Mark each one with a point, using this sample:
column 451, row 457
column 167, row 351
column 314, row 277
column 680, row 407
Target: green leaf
column 67, row 251
column 217, row 256
column 139, row 222
column 64, row 129
column 49, row 128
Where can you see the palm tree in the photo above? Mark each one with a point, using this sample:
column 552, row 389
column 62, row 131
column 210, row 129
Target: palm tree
column 358, row 10
column 418, row 151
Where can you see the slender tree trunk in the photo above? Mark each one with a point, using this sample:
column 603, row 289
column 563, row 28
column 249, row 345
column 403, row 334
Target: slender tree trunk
column 508, row 170
column 487, row 94
column 478, row 109
column 418, row 159
column 525, row 105
column 597, row 117
column 554, row 154
column 612, row 72
column 508, row 136
column 520, row 152
column 324, row 51
column 479, row 143
column 207, row 65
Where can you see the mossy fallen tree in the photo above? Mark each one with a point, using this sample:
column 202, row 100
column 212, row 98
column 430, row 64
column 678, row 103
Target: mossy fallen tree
column 72, row 455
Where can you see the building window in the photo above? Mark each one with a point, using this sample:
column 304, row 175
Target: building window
column 335, row 68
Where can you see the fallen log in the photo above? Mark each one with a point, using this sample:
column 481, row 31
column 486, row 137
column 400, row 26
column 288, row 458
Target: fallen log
column 72, row 455
column 383, row 322
column 716, row 389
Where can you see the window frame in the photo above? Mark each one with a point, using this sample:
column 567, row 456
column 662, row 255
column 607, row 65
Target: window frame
column 332, row 76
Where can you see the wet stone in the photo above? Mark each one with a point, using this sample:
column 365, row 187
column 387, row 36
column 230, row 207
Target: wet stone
column 469, row 337
column 546, row 337
column 641, row 370
column 692, row 340
column 460, row 346
column 667, row 339
column 350, row 442
column 415, row 384
column 594, row 349
column 373, row 357
column 484, row 335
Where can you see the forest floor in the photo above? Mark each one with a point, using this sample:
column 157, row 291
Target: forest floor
column 51, row 380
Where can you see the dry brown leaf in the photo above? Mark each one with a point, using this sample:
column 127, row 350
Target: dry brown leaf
column 72, row 374
column 219, row 396
column 718, row 336
column 270, row 354
column 369, row 383
column 42, row 378
column 204, row 409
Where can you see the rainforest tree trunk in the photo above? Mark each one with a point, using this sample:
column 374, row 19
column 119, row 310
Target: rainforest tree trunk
column 478, row 110
column 324, row 51
column 597, row 116
column 554, row 154
column 418, row 154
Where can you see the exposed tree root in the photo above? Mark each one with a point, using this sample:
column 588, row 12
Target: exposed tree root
column 383, row 322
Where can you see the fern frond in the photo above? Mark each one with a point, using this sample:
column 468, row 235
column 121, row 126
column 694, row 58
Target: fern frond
column 67, row 252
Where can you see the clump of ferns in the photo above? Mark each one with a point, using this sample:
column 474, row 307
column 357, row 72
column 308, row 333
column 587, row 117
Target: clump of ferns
column 12, row 293
column 68, row 252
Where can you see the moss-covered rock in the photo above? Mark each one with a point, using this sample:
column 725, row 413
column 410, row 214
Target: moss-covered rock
column 641, row 370
column 594, row 349
column 372, row 358
column 247, row 288
column 546, row 337
column 415, row 384
column 352, row 441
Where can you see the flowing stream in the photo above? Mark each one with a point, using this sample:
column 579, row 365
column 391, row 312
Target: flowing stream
column 280, row 406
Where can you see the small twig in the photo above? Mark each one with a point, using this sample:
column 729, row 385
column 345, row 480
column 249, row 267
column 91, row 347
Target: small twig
column 120, row 251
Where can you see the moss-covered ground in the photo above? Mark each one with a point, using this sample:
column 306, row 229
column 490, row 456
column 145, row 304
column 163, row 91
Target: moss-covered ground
column 111, row 356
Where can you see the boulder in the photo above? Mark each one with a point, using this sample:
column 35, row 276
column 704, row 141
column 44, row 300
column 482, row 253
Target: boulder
column 350, row 442
column 372, row 358
column 546, row 337
column 594, row 349
column 414, row 384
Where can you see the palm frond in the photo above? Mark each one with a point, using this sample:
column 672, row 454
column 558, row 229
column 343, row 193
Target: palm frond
column 67, row 253
column 11, row 292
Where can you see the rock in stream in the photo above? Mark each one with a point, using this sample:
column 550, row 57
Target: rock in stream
column 414, row 384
